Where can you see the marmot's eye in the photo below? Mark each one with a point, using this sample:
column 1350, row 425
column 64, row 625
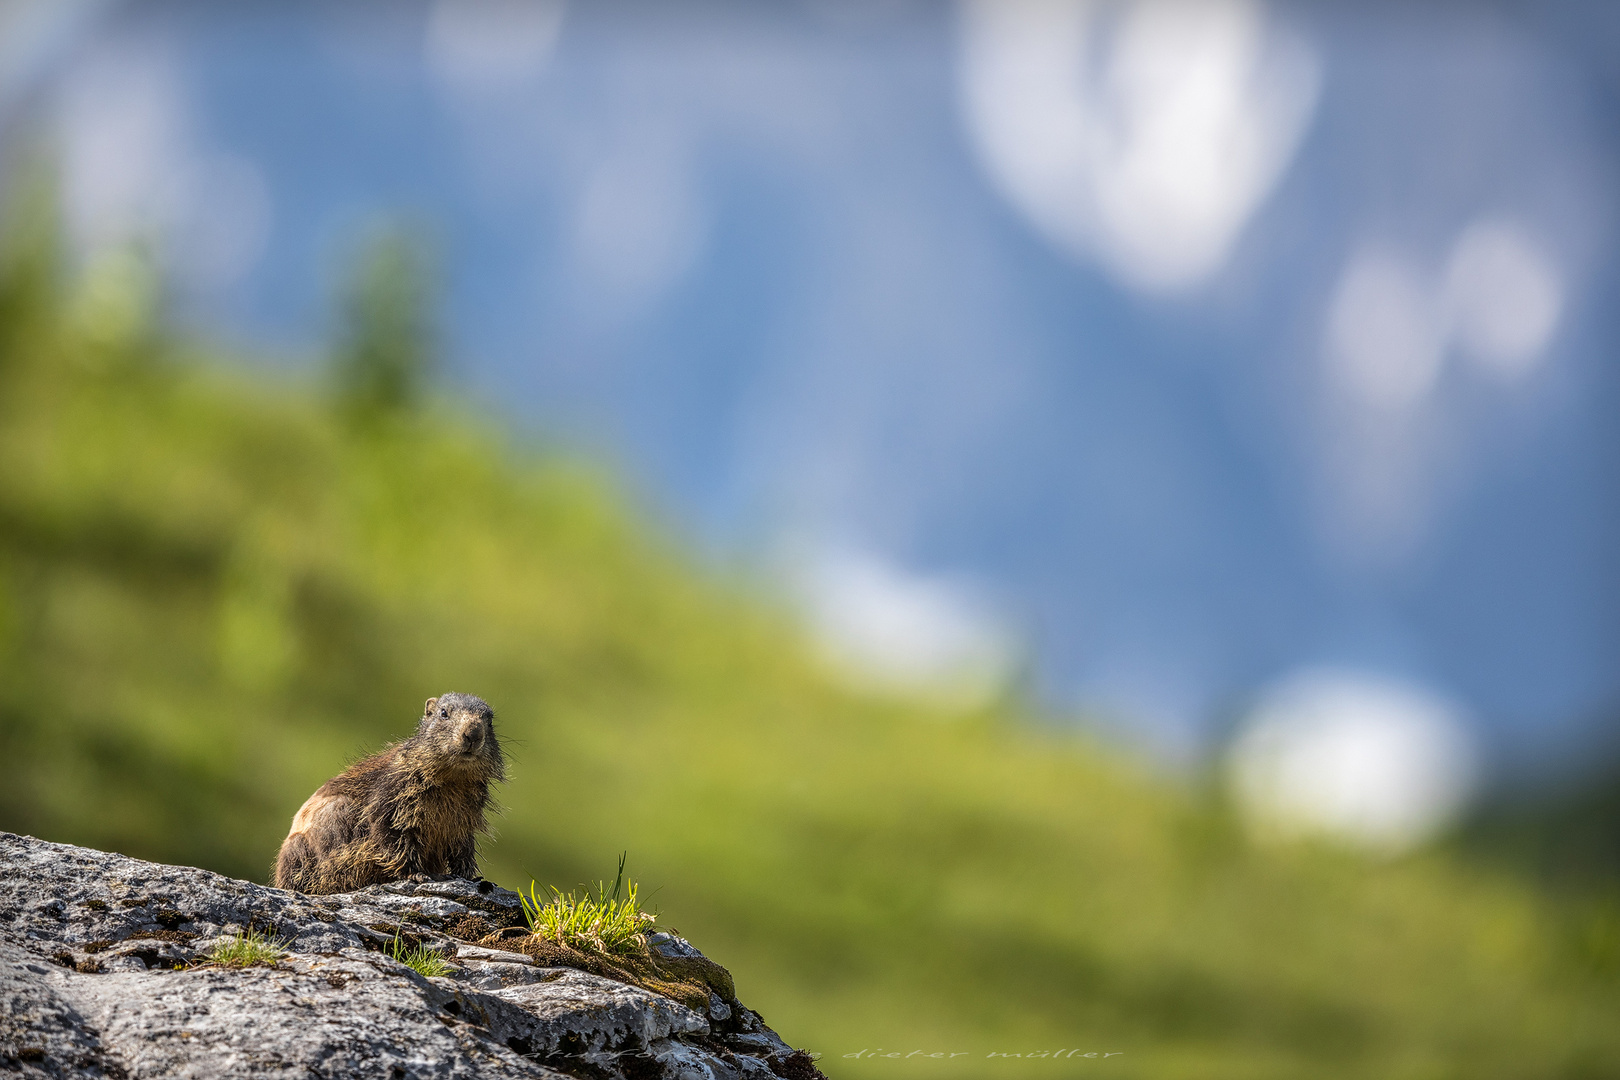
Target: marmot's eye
column 444, row 714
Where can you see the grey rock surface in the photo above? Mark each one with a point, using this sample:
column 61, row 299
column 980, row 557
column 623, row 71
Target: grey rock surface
column 103, row 973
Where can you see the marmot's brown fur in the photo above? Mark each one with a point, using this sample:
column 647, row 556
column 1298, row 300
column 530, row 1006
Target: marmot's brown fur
column 415, row 809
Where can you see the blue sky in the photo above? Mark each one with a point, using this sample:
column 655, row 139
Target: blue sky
column 1160, row 351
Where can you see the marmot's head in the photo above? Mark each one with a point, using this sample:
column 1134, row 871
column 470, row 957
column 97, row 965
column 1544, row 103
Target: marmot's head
column 459, row 730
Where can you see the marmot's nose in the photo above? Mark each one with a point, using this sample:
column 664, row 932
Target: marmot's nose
column 470, row 734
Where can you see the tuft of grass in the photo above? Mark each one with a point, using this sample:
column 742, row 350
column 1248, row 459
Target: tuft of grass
column 611, row 923
column 420, row 959
column 247, row 949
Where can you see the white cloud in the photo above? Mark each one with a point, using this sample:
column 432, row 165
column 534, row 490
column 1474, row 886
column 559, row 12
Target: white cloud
column 640, row 225
column 1385, row 338
column 1148, row 147
column 33, row 35
column 1391, row 325
column 883, row 625
column 217, row 247
column 134, row 171
column 121, row 121
column 1503, row 296
column 1371, row 760
column 483, row 48
column 1389, row 438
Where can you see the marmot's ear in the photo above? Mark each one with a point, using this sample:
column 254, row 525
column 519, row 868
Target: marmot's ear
column 427, row 710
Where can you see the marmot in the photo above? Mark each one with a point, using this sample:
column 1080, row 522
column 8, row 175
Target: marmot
column 415, row 809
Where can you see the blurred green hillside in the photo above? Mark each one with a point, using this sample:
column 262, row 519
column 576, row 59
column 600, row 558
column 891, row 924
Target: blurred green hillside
column 216, row 589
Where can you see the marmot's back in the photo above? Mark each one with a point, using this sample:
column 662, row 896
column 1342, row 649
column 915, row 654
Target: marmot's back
column 415, row 809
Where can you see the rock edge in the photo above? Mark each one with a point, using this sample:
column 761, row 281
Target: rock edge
column 103, row 974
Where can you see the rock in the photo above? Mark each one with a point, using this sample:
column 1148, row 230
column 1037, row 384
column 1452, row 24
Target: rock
column 41, row 1034
column 103, row 973
column 494, row 956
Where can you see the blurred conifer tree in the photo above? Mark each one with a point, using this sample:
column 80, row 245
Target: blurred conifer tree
column 388, row 349
column 30, row 253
